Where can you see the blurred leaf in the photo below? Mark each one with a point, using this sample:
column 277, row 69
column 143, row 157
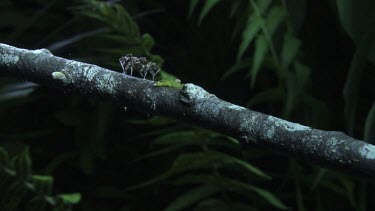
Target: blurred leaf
column 318, row 178
column 233, row 185
column 162, row 151
column 261, row 48
column 353, row 80
column 237, row 66
column 43, row 184
column 209, row 159
column 16, row 91
column 292, row 94
column 274, row 18
column 221, row 205
column 147, row 41
column 349, row 186
column 289, row 50
column 179, row 137
column 58, row 160
column 208, row 5
column 213, row 204
column 357, row 18
column 252, row 28
column 4, row 158
column 71, row 198
column 235, row 7
column 302, row 75
column 191, row 197
column 195, row 137
column 253, row 25
column 369, row 132
column 193, row 4
column 201, row 160
column 297, row 10
column 22, row 164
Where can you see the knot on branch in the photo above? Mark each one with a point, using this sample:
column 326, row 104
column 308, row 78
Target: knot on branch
column 60, row 76
column 190, row 93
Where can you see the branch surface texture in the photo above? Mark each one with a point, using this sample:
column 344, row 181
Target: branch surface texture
column 191, row 104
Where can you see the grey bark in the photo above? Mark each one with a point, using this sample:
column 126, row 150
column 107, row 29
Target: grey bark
column 191, row 104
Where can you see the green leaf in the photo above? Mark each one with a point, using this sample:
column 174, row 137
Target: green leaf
column 302, row 75
column 196, row 138
column 179, row 137
column 226, row 184
column 161, row 152
column 270, row 198
column 14, row 91
column 292, row 94
column 351, row 89
column 223, row 205
column 252, row 28
column 357, row 19
column 262, row 5
column 43, row 184
column 214, row 204
column 318, row 178
column 4, row 158
column 290, row 49
column 234, row 7
column 200, row 160
column 71, row 198
column 274, row 19
column 369, row 132
column 208, row 5
column 349, row 186
column 147, row 41
column 193, row 4
column 209, row 159
column 22, row 164
column 237, row 66
column 261, row 49
column 191, row 197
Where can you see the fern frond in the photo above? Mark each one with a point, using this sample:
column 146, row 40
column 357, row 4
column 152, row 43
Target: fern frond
column 21, row 190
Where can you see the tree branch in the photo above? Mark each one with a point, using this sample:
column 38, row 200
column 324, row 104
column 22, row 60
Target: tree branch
column 191, row 104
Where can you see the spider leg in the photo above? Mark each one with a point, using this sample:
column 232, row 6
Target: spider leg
column 144, row 77
column 154, row 74
column 122, row 66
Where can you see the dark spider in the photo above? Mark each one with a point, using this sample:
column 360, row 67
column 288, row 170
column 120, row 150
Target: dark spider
column 139, row 64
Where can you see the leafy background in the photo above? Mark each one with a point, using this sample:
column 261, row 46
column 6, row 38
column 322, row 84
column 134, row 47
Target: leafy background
column 307, row 61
